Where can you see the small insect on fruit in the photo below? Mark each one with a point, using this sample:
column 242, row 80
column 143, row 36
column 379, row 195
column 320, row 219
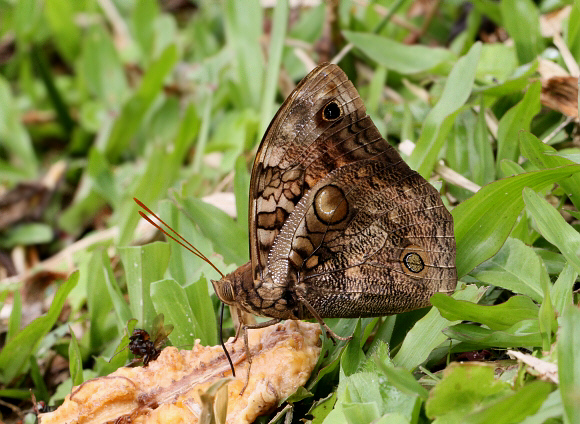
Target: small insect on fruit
column 147, row 348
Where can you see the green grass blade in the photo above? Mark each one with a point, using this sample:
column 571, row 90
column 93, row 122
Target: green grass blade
column 16, row 352
column 438, row 122
column 562, row 289
column 144, row 265
column 75, row 361
column 135, row 109
column 568, row 363
column 396, row 56
column 15, row 316
column 277, row 37
column 170, row 300
column 518, row 118
column 503, row 200
column 521, row 19
column 554, row 228
column 544, row 156
column 496, row 317
column 514, row 408
column 515, row 267
column 427, row 334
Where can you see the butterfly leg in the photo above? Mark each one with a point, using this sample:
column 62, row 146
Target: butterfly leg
column 241, row 319
column 244, row 330
column 331, row 334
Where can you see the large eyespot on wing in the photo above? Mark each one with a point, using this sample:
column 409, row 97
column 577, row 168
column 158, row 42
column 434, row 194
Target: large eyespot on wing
column 413, row 259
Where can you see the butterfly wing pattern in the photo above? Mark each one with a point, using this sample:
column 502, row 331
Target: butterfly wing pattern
column 339, row 223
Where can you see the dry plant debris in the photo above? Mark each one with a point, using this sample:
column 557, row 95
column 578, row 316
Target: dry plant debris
column 171, row 389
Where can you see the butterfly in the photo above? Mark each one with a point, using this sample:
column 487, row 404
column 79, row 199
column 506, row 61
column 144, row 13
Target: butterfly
column 339, row 225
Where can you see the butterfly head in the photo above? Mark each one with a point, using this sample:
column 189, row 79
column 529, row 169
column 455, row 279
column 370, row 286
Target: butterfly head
column 224, row 289
column 231, row 288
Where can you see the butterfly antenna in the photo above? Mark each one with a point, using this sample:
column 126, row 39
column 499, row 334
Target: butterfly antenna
column 182, row 241
column 222, row 341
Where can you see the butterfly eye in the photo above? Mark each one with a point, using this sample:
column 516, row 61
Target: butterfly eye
column 331, row 111
column 223, row 289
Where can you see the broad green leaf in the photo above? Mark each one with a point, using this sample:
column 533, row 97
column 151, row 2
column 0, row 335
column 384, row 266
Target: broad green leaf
column 496, row 317
column 568, row 364
column 438, row 122
column 515, row 267
column 512, row 409
column 497, row 64
column 554, row 228
column 321, row 408
column 427, row 333
column 147, row 187
column 544, row 156
column 524, row 333
column 518, row 118
column 15, row 353
column 170, row 299
column 143, row 20
column 573, row 157
column 399, row 57
column 489, row 8
column 184, row 266
column 144, row 265
column 501, row 199
column 75, row 361
column 463, row 389
column 515, row 84
column 521, row 19
column 546, row 318
column 329, row 357
column 392, row 418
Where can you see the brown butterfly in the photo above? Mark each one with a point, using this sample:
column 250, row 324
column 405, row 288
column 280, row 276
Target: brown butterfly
column 340, row 226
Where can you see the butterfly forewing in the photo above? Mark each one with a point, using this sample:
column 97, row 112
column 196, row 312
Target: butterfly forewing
column 302, row 146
